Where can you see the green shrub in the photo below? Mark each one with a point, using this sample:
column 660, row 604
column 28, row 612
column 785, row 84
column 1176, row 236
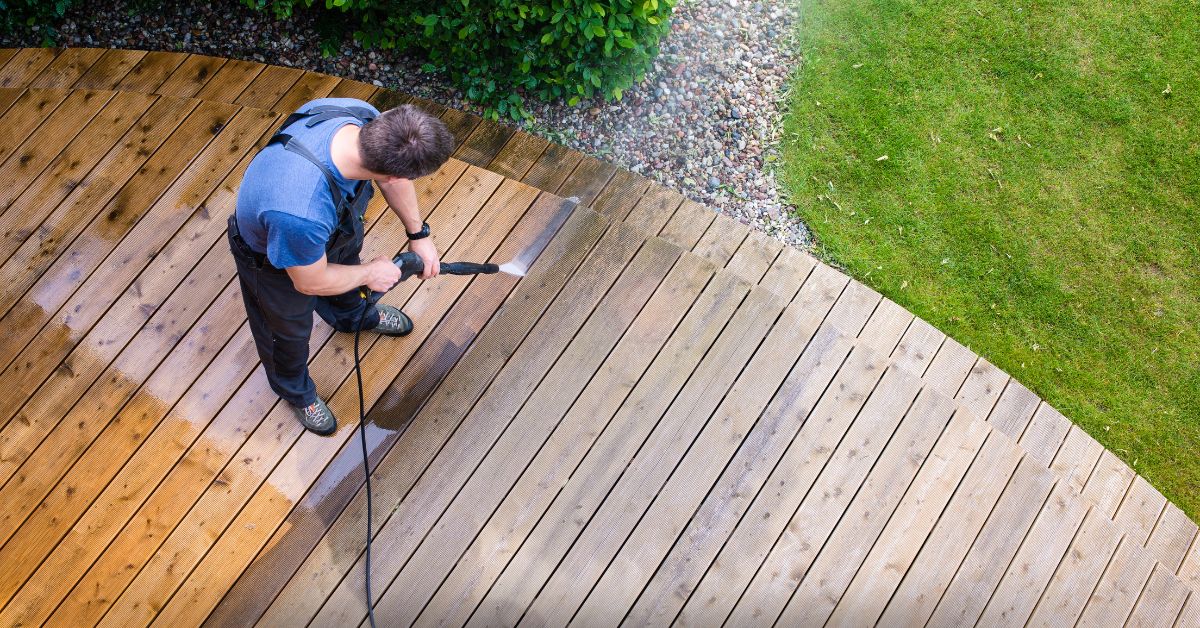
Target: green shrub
column 500, row 50
column 25, row 14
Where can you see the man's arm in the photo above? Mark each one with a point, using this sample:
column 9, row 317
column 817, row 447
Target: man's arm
column 401, row 196
column 324, row 279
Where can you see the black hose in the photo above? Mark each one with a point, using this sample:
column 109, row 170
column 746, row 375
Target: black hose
column 362, row 433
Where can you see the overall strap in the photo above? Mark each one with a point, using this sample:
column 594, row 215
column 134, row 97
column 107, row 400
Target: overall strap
column 302, row 150
column 322, row 113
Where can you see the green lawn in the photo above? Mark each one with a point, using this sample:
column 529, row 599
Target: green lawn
column 1039, row 199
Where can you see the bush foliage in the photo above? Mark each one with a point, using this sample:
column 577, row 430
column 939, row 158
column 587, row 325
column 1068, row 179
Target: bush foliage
column 27, row 14
column 500, row 50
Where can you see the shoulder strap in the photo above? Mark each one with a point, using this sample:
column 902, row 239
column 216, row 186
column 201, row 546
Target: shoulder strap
column 322, row 113
column 302, row 150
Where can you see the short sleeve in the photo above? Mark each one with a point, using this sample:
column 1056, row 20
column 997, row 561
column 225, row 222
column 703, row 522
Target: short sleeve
column 294, row 241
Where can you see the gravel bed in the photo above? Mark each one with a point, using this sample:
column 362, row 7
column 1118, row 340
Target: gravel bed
column 705, row 121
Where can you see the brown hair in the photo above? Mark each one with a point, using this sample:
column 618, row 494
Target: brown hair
column 405, row 142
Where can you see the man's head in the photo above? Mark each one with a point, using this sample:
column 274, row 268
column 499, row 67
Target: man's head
column 405, row 142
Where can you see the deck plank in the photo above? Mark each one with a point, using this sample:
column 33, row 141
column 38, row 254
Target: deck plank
column 484, row 143
column 1140, row 511
column 714, row 439
column 587, row 180
column 226, row 84
column 40, row 358
column 155, row 68
column 1035, row 562
column 948, row 369
column 768, row 546
column 1119, row 588
column 510, row 525
column 266, row 88
column 1172, row 537
column 755, row 256
column 789, row 271
column 553, row 167
column 1045, row 434
column 1109, row 483
column 518, row 155
column 932, row 421
column 606, row 468
column 27, row 154
column 1078, row 573
column 688, row 225
column 79, row 182
column 721, row 240
column 112, row 67
column 886, row 328
column 1161, row 601
column 553, row 431
column 967, row 594
column 618, row 197
column 67, row 68
column 24, row 66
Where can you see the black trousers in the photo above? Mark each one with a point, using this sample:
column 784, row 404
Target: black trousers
column 281, row 317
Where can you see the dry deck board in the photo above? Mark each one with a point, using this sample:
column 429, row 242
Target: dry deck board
column 553, row 424
column 534, row 492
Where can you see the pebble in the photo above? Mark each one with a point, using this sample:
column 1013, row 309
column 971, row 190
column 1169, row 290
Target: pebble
column 706, row 120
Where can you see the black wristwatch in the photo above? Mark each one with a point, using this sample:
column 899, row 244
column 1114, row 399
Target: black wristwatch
column 423, row 233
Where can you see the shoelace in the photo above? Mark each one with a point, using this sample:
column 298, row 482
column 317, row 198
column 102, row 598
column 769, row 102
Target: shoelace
column 314, row 412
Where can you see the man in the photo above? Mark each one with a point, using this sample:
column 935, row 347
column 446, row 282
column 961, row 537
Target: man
column 298, row 230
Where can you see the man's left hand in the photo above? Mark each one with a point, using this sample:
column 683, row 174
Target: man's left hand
column 428, row 253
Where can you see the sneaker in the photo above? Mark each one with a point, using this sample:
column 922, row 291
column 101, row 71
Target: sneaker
column 393, row 322
column 317, row 418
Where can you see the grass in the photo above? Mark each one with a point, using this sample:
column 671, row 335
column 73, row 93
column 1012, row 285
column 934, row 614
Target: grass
column 1039, row 197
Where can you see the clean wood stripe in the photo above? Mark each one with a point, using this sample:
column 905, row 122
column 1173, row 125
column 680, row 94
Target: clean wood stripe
column 1077, row 575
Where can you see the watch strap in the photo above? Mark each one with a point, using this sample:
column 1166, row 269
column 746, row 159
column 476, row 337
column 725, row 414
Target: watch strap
column 423, row 233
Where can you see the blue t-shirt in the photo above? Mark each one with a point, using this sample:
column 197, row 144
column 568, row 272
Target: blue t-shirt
column 285, row 208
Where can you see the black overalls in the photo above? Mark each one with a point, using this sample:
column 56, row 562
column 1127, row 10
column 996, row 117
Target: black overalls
column 280, row 316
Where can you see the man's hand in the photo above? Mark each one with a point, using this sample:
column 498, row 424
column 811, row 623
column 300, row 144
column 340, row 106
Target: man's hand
column 382, row 274
column 428, row 253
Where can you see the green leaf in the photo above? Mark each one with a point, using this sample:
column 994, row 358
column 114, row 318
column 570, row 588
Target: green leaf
column 574, row 100
column 626, row 42
column 547, row 38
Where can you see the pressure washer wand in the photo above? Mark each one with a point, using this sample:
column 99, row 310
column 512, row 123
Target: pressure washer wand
column 411, row 265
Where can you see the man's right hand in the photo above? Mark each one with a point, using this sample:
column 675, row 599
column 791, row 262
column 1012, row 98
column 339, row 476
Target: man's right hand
column 382, row 274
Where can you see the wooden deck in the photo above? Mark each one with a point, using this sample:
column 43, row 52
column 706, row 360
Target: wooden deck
column 671, row 419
